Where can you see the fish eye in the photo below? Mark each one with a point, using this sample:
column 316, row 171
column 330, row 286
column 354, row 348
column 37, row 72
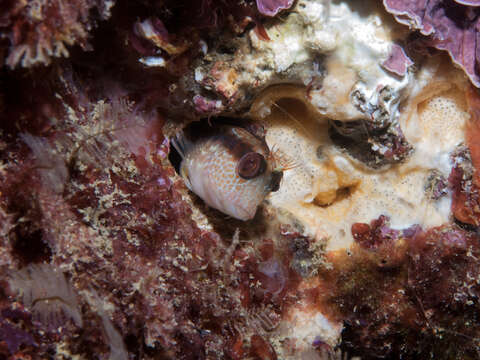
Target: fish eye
column 251, row 165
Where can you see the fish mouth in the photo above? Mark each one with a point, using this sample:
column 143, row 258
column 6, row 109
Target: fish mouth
column 275, row 180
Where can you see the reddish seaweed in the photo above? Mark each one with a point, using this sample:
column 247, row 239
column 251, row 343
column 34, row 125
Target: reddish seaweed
column 464, row 179
column 421, row 305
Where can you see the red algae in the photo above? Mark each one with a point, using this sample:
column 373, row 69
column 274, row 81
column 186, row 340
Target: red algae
column 260, row 349
column 465, row 193
column 13, row 336
column 37, row 32
column 116, row 223
column 420, row 305
column 120, row 216
column 87, row 187
column 472, row 131
column 465, row 176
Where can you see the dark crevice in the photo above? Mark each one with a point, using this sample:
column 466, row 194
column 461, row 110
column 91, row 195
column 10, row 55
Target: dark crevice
column 341, row 194
column 29, row 247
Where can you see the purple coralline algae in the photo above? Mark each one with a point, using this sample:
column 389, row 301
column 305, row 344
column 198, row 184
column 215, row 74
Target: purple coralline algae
column 449, row 26
column 273, row 7
column 398, row 61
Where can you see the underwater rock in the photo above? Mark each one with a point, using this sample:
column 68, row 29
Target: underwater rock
column 312, row 48
column 368, row 247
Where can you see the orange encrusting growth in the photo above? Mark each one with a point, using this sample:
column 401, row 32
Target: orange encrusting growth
column 466, row 199
column 473, row 131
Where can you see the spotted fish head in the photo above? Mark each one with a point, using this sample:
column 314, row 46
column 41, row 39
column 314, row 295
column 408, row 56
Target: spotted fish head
column 232, row 170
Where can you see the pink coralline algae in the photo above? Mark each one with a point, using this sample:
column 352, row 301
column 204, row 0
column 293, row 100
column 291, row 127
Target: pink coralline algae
column 273, row 7
column 450, row 26
column 398, row 61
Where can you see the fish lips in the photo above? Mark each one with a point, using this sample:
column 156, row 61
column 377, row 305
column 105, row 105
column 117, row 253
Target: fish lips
column 275, row 181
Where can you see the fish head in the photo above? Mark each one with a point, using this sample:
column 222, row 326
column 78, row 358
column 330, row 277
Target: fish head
column 232, row 171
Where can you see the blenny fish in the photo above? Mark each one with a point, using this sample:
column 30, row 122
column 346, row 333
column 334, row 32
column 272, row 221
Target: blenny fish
column 229, row 167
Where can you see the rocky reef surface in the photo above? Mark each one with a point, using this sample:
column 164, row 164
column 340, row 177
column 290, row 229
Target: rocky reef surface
column 370, row 247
